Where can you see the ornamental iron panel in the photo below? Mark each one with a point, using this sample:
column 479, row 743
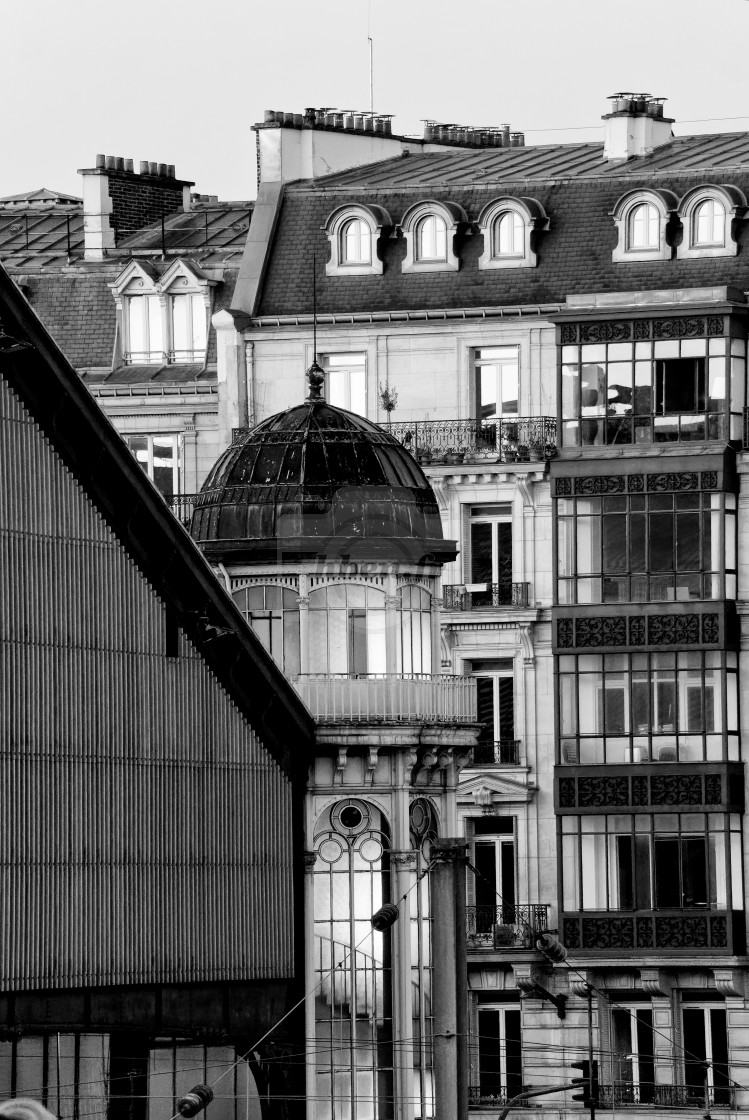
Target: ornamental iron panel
column 627, row 330
column 689, row 786
column 626, row 1094
column 657, row 483
column 675, row 628
column 680, row 931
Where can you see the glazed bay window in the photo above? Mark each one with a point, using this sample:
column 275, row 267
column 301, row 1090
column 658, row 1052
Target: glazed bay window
column 347, row 630
column 346, row 381
column 649, row 547
column 160, row 458
column 273, row 613
column 664, row 861
column 620, row 393
column 648, row 707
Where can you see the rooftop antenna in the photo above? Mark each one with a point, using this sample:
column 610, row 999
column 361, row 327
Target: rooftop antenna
column 315, row 373
column 371, row 65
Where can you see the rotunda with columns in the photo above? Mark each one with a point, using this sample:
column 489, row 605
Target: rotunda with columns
column 327, row 535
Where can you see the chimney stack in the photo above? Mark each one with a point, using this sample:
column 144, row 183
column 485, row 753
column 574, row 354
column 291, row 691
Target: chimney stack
column 635, row 126
column 117, row 202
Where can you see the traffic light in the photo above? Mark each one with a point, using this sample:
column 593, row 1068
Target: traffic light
column 588, row 1082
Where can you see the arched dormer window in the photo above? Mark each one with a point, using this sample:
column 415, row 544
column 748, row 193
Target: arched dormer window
column 641, row 218
column 431, row 238
column 707, row 215
column 429, row 229
column 356, row 242
column 353, row 232
column 643, row 227
column 506, row 225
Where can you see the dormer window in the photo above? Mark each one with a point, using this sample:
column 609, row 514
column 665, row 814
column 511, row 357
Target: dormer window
column 709, row 223
column 643, row 227
column 507, row 235
column 353, row 232
column 507, row 225
column 429, row 229
column 707, row 214
column 356, row 242
column 641, row 218
column 431, row 239
column 164, row 319
column 142, row 327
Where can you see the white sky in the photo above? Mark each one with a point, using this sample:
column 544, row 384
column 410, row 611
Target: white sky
column 181, row 82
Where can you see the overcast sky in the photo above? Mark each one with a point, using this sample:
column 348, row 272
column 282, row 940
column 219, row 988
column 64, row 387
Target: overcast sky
column 177, row 81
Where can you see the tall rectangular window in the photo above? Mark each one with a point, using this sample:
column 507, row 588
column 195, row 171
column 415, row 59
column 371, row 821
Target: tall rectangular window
column 499, row 1053
column 143, row 342
column 632, row 1056
column 346, row 381
column 706, row 1054
column 496, row 713
column 490, row 556
column 160, row 458
column 497, row 383
column 188, row 327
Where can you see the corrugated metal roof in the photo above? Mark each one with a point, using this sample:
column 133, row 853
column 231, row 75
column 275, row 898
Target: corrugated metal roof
column 554, row 161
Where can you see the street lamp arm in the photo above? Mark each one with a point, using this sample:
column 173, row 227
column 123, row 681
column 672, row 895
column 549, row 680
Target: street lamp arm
column 535, row 1093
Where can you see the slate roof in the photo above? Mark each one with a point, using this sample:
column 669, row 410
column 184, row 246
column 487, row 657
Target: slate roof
column 576, row 187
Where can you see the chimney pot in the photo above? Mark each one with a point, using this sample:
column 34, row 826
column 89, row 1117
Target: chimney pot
column 129, row 165
column 110, row 163
column 120, row 163
column 152, row 168
column 162, row 169
column 348, row 121
column 369, row 124
column 269, row 116
column 298, row 120
column 100, row 160
column 310, row 116
column 143, row 167
column 170, row 170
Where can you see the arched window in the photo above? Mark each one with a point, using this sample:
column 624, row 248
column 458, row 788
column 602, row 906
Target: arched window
column 643, row 227
column 356, row 242
column 347, row 629
column 431, row 239
column 273, row 614
column 353, row 974
column 415, row 630
column 709, row 223
column 508, row 235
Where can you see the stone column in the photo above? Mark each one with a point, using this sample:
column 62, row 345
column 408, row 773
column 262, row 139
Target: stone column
column 449, row 980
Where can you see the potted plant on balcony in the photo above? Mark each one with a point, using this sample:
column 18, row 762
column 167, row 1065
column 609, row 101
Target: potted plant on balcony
column 388, row 400
column 523, row 452
column 509, row 451
column 454, row 455
column 423, row 455
column 536, row 450
column 550, row 450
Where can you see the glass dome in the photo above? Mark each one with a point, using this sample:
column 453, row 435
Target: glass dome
column 318, row 482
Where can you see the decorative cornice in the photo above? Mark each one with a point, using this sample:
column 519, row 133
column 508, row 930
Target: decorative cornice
column 532, row 311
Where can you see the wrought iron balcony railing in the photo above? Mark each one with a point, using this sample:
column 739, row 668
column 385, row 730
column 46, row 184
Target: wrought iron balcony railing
column 456, row 441
column 625, row 1093
column 505, row 593
column 388, row 698
column 481, row 1097
column 182, row 506
column 506, row 926
column 504, row 752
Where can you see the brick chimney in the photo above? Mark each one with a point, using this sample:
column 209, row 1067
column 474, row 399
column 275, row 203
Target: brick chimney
column 117, row 201
column 635, row 126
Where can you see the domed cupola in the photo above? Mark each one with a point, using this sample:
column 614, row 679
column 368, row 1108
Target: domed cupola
column 318, row 482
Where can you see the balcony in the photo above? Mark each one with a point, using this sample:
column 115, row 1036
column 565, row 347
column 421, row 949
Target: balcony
column 522, row 439
column 482, row 1098
column 506, row 926
column 484, row 596
column 627, row 1095
column 182, row 506
column 505, row 752
column 388, row 697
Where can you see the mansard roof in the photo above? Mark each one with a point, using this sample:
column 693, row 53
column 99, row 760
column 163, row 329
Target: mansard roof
column 573, row 184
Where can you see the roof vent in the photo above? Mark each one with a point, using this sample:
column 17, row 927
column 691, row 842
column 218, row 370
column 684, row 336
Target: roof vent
column 635, row 126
